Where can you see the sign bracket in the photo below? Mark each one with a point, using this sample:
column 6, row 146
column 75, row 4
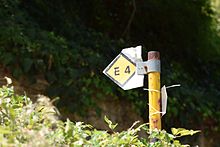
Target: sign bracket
column 147, row 67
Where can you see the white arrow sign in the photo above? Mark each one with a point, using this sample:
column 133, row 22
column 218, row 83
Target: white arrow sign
column 122, row 70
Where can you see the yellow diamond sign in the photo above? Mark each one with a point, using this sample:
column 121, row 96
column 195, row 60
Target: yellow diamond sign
column 120, row 70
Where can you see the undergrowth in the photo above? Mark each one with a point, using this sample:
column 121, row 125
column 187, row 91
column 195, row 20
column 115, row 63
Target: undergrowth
column 24, row 123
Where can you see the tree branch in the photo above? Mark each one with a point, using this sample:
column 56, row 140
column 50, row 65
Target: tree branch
column 127, row 29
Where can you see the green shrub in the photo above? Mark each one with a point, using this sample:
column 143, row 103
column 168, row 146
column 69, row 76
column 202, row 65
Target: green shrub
column 24, row 123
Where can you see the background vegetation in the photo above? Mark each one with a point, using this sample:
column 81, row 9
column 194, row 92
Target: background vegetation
column 71, row 42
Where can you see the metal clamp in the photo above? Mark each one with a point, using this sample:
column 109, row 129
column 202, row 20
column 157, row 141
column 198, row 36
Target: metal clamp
column 147, row 67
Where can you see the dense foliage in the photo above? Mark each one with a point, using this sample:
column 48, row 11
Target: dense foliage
column 71, row 42
column 24, row 123
column 69, row 66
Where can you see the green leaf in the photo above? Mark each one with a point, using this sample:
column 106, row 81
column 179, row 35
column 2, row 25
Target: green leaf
column 183, row 132
column 174, row 131
column 109, row 122
column 4, row 130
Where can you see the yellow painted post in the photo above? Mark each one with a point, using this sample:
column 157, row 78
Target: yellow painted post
column 154, row 93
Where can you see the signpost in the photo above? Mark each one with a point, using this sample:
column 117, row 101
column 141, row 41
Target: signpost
column 154, row 93
column 127, row 70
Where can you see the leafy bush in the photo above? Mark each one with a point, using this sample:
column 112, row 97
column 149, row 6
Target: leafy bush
column 24, row 123
column 29, row 48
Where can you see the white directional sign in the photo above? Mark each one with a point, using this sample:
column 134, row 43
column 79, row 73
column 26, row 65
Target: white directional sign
column 122, row 70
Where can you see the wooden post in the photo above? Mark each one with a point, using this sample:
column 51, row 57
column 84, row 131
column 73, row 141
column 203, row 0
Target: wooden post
column 154, row 94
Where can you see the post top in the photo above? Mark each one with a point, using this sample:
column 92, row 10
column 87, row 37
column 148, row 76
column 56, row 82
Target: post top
column 153, row 55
